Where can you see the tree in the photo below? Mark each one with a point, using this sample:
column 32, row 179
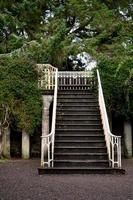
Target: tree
column 20, row 99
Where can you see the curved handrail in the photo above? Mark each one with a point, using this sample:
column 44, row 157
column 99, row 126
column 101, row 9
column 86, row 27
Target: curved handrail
column 113, row 142
column 49, row 139
column 54, row 112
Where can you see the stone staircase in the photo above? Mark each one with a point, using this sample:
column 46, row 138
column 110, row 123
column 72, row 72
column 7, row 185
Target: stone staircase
column 79, row 140
column 80, row 145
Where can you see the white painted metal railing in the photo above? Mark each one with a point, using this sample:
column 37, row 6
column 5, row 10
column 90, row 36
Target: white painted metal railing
column 47, row 76
column 50, row 79
column 113, row 142
column 75, row 80
column 47, row 143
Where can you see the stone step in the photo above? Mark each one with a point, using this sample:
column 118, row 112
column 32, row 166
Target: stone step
column 78, row 126
column 82, row 156
column 77, row 96
column 77, row 107
column 79, row 131
column 77, row 116
column 80, row 170
column 79, row 143
column 81, row 114
column 71, row 121
column 83, row 107
column 79, row 136
column 80, row 149
column 77, row 112
column 76, row 100
column 76, row 92
column 81, row 163
column 64, row 119
column 83, row 103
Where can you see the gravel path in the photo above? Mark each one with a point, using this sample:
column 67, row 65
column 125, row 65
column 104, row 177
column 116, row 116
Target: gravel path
column 19, row 180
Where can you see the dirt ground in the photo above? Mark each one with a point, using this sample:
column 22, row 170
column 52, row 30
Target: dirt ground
column 19, row 180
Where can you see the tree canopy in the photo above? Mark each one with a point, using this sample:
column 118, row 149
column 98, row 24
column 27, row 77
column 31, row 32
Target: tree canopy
column 55, row 31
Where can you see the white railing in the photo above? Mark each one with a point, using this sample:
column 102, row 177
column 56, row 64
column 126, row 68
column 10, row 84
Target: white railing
column 75, row 80
column 47, row 143
column 47, row 76
column 113, row 142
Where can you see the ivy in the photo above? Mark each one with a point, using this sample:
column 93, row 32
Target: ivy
column 19, row 92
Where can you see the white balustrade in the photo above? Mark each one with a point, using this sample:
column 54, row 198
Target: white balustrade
column 47, row 76
column 49, row 81
column 66, row 79
column 75, row 80
column 113, row 142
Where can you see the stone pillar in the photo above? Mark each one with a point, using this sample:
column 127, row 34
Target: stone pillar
column 6, row 143
column 47, row 99
column 128, row 138
column 25, row 145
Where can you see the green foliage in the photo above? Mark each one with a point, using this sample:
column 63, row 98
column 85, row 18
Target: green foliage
column 19, row 92
column 111, row 43
column 47, row 31
column 117, row 80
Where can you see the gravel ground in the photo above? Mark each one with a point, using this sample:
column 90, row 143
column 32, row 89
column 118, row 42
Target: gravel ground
column 19, row 180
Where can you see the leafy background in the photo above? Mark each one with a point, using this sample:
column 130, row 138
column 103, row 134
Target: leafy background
column 55, row 32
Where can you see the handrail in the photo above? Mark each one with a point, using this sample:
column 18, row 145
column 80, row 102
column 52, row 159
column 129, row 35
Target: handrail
column 54, row 113
column 48, row 140
column 113, row 142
